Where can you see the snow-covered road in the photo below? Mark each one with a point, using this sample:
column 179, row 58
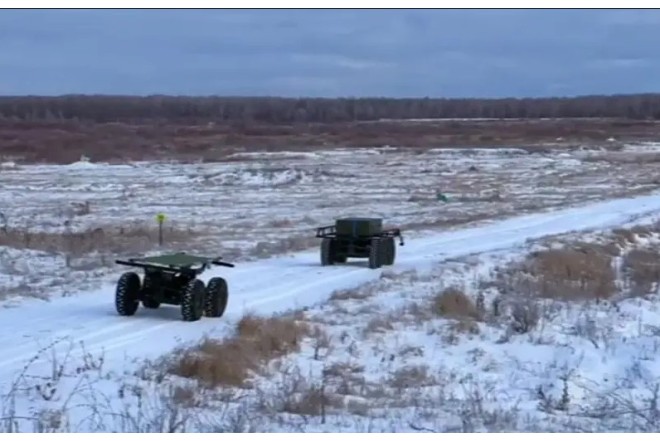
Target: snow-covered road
column 264, row 287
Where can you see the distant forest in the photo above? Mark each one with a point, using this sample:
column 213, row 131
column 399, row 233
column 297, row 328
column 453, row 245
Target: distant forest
column 273, row 110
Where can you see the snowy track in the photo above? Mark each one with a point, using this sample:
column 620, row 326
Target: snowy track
column 263, row 287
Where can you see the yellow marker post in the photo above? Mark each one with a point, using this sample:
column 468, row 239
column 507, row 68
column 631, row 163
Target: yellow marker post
column 160, row 218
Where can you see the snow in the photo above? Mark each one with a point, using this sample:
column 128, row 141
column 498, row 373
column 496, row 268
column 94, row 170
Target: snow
column 292, row 282
column 251, row 204
column 261, row 204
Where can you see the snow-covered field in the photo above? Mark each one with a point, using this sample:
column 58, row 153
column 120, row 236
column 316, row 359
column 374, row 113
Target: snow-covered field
column 64, row 225
column 381, row 361
column 82, row 358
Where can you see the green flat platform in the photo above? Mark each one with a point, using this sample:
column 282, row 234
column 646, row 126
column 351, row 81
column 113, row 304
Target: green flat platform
column 176, row 260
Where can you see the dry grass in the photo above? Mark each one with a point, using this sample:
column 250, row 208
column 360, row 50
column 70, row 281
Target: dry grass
column 231, row 361
column 642, row 270
column 582, row 271
column 563, row 274
column 282, row 246
column 64, row 142
column 410, row 377
column 454, row 303
column 359, row 293
column 102, row 239
column 311, row 401
column 378, row 324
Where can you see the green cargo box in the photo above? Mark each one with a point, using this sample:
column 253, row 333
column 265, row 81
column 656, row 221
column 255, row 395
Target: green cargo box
column 358, row 226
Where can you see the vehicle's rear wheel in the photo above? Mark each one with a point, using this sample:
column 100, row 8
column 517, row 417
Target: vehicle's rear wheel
column 192, row 303
column 390, row 245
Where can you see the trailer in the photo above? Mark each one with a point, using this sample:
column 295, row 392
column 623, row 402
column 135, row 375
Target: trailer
column 360, row 237
column 171, row 279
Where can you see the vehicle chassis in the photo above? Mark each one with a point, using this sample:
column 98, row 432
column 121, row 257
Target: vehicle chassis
column 172, row 279
column 379, row 248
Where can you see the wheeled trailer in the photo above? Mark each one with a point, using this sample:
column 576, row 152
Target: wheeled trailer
column 358, row 237
column 172, row 279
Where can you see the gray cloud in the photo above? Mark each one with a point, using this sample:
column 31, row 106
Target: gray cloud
column 330, row 52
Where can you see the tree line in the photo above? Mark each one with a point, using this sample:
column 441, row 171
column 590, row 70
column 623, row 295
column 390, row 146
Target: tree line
column 275, row 110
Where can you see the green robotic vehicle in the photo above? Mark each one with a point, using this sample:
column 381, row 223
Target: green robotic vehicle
column 172, row 279
column 360, row 237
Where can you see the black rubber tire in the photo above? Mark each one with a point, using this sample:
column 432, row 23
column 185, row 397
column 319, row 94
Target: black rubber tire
column 192, row 302
column 217, row 294
column 127, row 294
column 390, row 245
column 327, row 252
column 375, row 253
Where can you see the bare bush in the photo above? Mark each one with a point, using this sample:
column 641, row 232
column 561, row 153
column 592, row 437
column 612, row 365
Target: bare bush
column 566, row 274
column 101, row 239
column 231, row 361
column 524, row 316
column 410, row 377
column 454, row 303
column 625, row 410
column 378, row 324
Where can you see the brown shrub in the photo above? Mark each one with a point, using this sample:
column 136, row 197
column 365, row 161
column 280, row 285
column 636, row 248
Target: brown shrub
column 378, row 324
column 464, row 326
column 569, row 274
column 454, row 303
column 642, row 270
column 102, row 239
column 230, row 361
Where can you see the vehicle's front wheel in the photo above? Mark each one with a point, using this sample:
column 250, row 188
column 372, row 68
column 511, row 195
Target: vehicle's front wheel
column 327, row 251
column 217, row 294
column 127, row 293
column 376, row 256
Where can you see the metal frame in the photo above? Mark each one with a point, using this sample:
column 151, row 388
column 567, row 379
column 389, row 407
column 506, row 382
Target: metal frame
column 329, row 232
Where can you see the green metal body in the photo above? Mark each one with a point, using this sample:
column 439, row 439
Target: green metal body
column 358, row 226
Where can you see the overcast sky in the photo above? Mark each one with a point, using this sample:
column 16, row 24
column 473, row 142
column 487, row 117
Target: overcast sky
column 486, row 53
